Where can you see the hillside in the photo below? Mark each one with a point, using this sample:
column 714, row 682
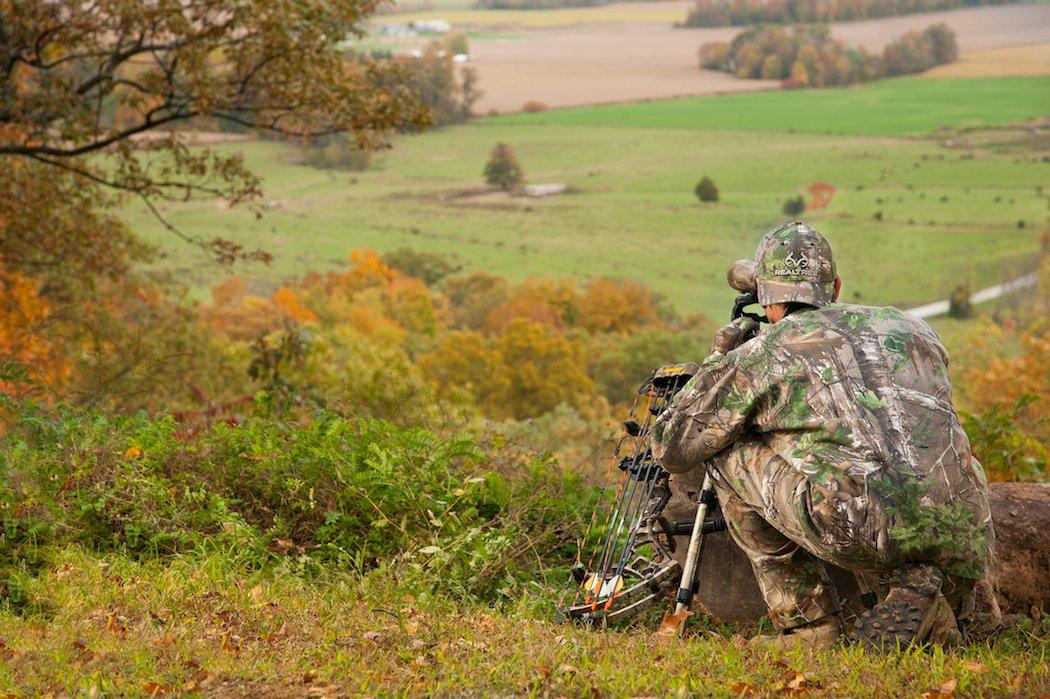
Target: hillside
column 632, row 168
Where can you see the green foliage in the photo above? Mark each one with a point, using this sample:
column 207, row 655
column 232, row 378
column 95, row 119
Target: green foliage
column 705, row 190
column 336, row 152
column 346, row 494
column 1001, row 443
column 793, row 206
column 502, row 169
column 429, row 267
column 959, row 305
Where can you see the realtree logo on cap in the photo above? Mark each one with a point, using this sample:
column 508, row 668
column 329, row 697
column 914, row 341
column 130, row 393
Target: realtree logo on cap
column 793, row 266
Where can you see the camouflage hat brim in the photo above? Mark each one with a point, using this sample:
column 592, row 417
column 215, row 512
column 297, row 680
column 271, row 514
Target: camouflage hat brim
column 812, row 293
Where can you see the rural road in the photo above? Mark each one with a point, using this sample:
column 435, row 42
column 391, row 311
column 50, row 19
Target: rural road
column 594, row 63
column 939, row 308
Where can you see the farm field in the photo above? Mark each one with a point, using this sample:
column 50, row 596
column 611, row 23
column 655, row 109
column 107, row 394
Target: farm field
column 948, row 215
column 626, row 52
column 1010, row 60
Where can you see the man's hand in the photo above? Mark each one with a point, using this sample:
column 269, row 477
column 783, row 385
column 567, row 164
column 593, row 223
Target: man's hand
column 735, row 334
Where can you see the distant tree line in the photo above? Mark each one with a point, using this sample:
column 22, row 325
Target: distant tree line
column 722, row 13
column 807, row 56
column 538, row 4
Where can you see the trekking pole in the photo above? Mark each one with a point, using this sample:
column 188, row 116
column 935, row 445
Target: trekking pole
column 684, row 598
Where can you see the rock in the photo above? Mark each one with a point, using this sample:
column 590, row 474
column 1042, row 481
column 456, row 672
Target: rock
column 727, row 589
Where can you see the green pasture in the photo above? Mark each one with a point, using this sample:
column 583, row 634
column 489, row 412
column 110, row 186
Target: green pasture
column 899, row 107
column 948, row 215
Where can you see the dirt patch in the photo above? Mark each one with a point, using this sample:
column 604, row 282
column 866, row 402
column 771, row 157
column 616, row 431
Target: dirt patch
column 605, row 63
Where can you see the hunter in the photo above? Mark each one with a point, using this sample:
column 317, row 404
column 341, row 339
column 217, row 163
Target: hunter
column 830, row 436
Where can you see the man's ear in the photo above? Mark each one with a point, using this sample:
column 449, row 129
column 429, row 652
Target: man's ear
column 838, row 288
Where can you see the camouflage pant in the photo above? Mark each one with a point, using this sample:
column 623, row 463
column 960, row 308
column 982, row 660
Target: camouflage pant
column 766, row 503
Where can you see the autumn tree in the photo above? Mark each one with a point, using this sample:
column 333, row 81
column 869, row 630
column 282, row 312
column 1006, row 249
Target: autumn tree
column 67, row 67
column 502, row 169
column 119, row 78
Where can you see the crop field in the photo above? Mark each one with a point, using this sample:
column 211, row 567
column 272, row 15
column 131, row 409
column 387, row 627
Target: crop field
column 910, row 218
column 1010, row 60
column 625, row 52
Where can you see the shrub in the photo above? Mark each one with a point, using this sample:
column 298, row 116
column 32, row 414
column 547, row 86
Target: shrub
column 959, row 305
column 332, row 492
column 336, row 152
column 793, row 206
column 705, row 190
column 502, row 169
column 429, row 267
column 1004, row 447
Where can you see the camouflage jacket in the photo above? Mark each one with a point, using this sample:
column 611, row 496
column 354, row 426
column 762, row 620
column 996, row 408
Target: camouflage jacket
column 857, row 399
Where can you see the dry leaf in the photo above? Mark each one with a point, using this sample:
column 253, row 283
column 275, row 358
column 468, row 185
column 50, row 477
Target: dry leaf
column 164, row 641
column 973, row 667
column 742, row 689
column 308, row 676
column 133, row 452
column 949, row 686
column 373, row 636
column 154, row 689
column 739, row 642
column 671, row 623
column 256, row 593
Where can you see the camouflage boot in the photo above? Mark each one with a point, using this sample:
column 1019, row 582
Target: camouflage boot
column 912, row 609
column 823, row 633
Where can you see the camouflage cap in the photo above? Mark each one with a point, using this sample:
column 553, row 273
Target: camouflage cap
column 795, row 265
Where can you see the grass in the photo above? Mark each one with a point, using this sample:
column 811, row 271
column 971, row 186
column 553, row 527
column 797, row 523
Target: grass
column 948, row 214
column 898, row 107
column 119, row 628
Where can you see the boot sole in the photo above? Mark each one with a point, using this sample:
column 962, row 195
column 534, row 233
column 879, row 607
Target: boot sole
column 895, row 623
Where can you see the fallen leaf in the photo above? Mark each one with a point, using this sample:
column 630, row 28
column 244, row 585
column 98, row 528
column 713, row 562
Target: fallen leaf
column 373, row 636
column 973, row 667
column 308, row 676
column 164, row 641
column 154, row 689
column 133, row 452
column 742, row 689
column 84, row 656
column 566, row 669
column 256, row 593
column 945, row 691
column 739, row 642
column 671, row 624
column 412, row 627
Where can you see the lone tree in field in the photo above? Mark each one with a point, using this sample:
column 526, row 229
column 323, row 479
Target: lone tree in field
column 793, row 206
column 502, row 169
column 705, row 190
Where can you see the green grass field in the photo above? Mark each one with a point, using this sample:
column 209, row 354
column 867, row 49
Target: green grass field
column 948, row 215
column 899, row 107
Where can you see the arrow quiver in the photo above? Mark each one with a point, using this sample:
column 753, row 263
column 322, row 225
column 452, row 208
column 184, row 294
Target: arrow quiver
column 631, row 564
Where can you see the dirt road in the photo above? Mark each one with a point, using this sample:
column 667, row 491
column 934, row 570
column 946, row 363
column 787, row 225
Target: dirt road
column 623, row 62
